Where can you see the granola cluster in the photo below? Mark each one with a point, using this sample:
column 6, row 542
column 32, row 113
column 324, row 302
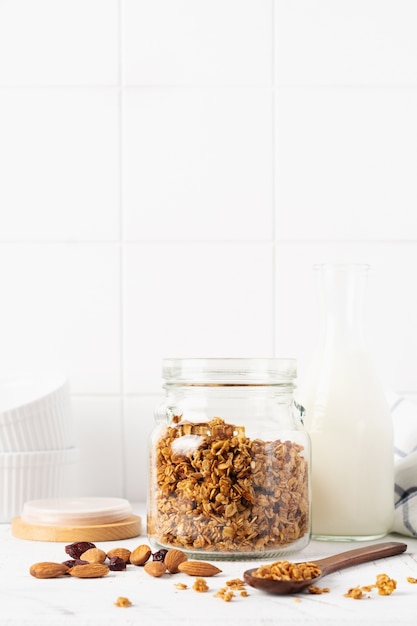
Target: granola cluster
column 227, row 593
column 200, row 585
column 214, row 489
column 317, row 591
column 285, row 570
column 384, row 584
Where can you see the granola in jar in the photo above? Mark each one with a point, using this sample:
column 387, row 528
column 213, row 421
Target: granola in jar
column 215, row 490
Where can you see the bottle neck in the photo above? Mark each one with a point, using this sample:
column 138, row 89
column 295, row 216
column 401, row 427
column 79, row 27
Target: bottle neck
column 342, row 292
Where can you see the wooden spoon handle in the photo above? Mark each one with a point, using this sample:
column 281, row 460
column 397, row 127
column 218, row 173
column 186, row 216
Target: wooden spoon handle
column 360, row 555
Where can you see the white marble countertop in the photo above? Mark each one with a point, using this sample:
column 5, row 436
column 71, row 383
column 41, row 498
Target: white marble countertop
column 25, row 600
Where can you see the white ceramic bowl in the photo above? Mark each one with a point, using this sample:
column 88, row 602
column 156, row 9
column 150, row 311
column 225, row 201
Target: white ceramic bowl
column 35, row 413
column 32, row 475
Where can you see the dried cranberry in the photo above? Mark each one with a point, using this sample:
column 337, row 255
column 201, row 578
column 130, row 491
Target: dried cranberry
column 72, row 562
column 75, row 550
column 116, row 564
column 159, row 556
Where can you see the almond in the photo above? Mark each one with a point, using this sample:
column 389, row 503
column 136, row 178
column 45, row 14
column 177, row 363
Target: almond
column 122, row 553
column 140, row 555
column 173, row 558
column 47, row 569
column 198, row 568
column 155, row 568
column 91, row 570
column 93, row 555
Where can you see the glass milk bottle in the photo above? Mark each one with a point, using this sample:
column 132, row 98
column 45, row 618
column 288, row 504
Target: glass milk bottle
column 347, row 417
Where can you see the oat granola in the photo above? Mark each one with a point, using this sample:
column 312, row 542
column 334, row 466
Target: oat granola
column 313, row 589
column 225, row 594
column 181, row 586
column 200, row 585
column 355, row 592
column 384, row 584
column 285, row 570
column 214, row 489
column 123, row 602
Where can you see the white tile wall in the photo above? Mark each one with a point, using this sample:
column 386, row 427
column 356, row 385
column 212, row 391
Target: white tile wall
column 203, row 42
column 345, row 161
column 192, row 299
column 60, row 308
column 59, row 42
column 59, row 164
column 348, row 42
column 169, row 172
column 196, row 162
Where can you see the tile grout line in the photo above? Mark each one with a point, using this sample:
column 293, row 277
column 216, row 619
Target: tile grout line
column 121, row 251
column 273, row 183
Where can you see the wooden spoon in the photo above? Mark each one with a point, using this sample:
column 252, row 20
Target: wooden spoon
column 327, row 566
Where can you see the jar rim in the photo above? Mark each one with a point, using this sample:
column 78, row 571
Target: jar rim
column 229, row 371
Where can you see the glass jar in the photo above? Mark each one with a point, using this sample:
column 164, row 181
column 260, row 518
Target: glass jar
column 230, row 460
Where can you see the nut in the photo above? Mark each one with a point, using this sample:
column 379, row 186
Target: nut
column 48, row 569
column 91, row 570
column 122, row 553
column 155, row 568
column 94, row 555
column 173, row 558
column 140, row 555
column 198, row 568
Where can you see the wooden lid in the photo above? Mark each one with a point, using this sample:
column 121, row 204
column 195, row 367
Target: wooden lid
column 124, row 529
column 77, row 519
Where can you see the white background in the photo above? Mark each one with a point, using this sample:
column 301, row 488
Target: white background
column 170, row 170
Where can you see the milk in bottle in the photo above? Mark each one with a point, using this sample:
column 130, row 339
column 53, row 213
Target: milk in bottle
column 347, row 418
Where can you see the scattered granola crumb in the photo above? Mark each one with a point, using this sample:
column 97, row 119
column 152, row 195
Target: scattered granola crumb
column 225, row 594
column 200, row 585
column 411, row 580
column 236, row 584
column 180, row 586
column 318, row 590
column 385, row 584
column 124, row 602
column 297, row 599
column 355, row 592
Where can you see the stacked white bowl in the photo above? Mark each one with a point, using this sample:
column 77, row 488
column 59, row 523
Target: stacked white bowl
column 37, row 453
